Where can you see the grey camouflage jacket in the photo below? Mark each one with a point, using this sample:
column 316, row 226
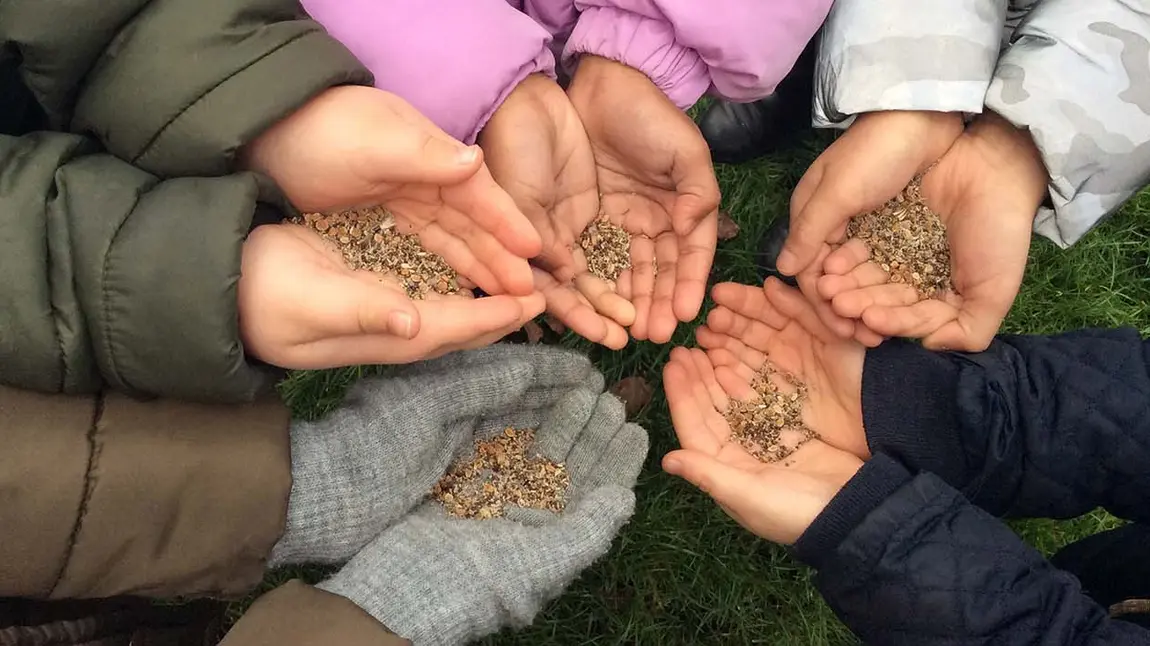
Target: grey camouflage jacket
column 1075, row 72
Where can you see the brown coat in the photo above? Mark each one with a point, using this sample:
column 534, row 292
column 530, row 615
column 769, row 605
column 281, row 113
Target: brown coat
column 106, row 496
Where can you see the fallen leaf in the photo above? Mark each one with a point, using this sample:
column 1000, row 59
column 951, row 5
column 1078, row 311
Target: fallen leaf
column 728, row 228
column 534, row 332
column 555, row 324
column 635, row 392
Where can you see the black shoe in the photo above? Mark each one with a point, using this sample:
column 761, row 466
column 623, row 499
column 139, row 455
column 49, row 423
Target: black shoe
column 770, row 245
column 740, row 132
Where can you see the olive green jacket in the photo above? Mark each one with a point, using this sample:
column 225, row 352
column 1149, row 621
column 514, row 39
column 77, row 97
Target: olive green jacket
column 142, row 453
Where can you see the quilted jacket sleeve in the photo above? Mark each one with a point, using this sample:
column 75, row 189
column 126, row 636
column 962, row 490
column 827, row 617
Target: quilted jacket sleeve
column 908, row 560
column 1035, row 426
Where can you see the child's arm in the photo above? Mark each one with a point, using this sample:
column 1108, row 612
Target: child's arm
column 1076, row 74
column 1034, row 426
column 174, row 87
column 113, row 276
column 906, row 55
column 907, row 560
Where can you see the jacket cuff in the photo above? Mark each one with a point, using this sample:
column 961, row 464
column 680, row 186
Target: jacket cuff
column 906, row 55
column 1092, row 131
column 460, row 58
column 645, row 44
column 876, row 481
column 158, row 281
column 910, row 409
column 296, row 614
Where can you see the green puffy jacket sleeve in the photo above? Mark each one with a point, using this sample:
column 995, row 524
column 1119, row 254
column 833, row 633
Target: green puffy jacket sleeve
column 174, row 87
column 109, row 276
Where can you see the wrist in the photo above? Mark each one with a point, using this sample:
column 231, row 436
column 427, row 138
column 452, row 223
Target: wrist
column 1010, row 150
column 932, row 133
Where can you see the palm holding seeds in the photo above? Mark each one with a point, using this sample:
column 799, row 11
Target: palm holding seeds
column 655, row 176
column 537, row 149
column 986, row 190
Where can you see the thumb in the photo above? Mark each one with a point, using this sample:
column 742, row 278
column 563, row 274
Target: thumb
column 730, row 487
column 428, row 159
column 343, row 305
column 811, row 226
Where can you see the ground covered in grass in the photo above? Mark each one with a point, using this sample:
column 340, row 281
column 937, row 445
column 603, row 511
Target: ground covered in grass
column 681, row 572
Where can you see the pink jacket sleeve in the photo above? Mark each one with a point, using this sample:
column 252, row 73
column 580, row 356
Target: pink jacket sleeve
column 453, row 60
column 737, row 49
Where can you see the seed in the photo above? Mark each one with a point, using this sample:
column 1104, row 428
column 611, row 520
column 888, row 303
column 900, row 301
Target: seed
column 757, row 425
column 607, row 247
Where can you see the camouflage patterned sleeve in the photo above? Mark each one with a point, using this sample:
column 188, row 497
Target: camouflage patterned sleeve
column 906, row 55
column 1077, row 74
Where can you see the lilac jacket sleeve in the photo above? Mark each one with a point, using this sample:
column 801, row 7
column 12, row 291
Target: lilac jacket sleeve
column 453, row 60
column 736, row 49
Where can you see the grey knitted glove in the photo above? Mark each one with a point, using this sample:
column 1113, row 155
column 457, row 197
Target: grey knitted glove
column 440, row 580
column 367, row 464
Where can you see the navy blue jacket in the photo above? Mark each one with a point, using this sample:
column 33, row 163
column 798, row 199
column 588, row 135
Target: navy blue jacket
column 911, row 551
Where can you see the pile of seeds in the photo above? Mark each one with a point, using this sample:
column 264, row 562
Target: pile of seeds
column 370, row 240
column 607, row 247
column 501, row 474
column 908, row 240
column 758, row 424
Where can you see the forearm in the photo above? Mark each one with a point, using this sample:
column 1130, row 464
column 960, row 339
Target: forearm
column 454, row 61
column 906, row 55
column 910, row 561
column 1075, row 75
column 739, row 49
column 1034, row 426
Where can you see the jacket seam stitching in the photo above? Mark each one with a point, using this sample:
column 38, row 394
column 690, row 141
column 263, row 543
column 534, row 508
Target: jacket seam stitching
column 164, row 128
column 86, row 497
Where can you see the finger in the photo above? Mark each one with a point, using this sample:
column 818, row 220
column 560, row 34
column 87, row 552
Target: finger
column 642, row 283
column 340, row 304
column 697, row 188
column 747, row 355
column 857, row 301
column 459, row 257
column 743, row 364
column 423, row 155
column 748, row 301
column 696, row 254
column 686, row 416
column 623, row 288
column 793, row 305
column 751, row 332
column 868, row 337
column 513, row 272
column 482, row 199
column 735, row 384
column 662, row 323
column 811, row 227
column 605, row 301
column 972, row 331
column 731, row 487
column 808, row 282
column 566, row 305
column 850, row 255
column 917, row 321
column 865, row 275
column 707, row 379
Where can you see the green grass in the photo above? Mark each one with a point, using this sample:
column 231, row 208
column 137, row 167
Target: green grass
column 681, row 572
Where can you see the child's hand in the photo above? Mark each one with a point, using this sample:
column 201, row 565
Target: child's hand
column 777, row 502
column 986, row 190
column 538, row 151
column 359, row 146
column 301, row 307
column 657, row 182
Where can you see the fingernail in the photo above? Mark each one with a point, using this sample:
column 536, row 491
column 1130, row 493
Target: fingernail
column 786, row 262
column 399, row 323
column 468, row 155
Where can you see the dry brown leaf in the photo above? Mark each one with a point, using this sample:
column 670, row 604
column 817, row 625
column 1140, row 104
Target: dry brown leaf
column 555, row 324
column 635, row 392
column 728, row 228
column 534, row 332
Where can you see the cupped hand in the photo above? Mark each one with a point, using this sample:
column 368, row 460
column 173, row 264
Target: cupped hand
column 986, row 190
column 359, row 146
column 777, row 501
column 539, row 153
column 751, row 325
column 301, row 307
column 656, row 180
column 877, row 156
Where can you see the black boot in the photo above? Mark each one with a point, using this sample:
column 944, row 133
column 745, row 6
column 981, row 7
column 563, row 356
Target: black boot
column 739, row 132
column 770, row 245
